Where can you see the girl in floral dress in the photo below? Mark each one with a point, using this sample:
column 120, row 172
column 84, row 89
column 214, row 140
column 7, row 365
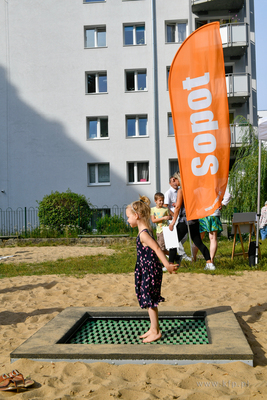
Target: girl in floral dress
column 148, row 269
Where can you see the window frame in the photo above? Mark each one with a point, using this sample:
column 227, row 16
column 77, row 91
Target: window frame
column 176, row 32
column 93, row 1
column 134, row 25
column 96, row 29
column 137, row 125
column 96, row 75
column 135, row 72
column 97, row 182
column 135, row 172
column 98, row 120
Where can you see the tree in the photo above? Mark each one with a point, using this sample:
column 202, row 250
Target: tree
column 243, row 177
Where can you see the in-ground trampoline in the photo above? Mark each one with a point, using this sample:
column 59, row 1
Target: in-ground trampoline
column 112, row 335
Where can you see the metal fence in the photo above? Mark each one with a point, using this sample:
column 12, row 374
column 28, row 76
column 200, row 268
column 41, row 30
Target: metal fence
column 97, row 220
column 26, row 221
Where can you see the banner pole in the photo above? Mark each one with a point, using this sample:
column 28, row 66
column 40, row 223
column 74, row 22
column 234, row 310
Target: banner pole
column 258, row 205
column 190, row 240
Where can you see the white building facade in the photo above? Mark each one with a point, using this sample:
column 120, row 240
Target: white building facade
column 84, row 93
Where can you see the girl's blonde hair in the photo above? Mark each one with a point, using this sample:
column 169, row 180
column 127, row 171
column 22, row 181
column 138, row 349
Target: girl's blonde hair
column 142, row 208
column 177, row 175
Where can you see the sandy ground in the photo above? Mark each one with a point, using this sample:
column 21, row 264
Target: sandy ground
column 49, row 253
column 28, row 303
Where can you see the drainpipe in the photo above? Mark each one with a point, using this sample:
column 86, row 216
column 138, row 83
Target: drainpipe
column 190, row 22
column 6, row 177
column 156, row 95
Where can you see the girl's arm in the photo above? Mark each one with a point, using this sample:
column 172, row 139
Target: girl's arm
column 178, row 206
column 147, row 240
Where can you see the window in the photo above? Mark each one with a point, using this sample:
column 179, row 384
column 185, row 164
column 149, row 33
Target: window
column 134, row 35
column 229, row 69
column 136, row 125
column 175, row 32
column 168, row 73
column 174, row 167
column 138, row 172
column 98, row 174
column 97, row 127
column 96, row 82
column 95, row 37
column 170, row 125
column 222, row 21
column 94, row 1
column 135, row 80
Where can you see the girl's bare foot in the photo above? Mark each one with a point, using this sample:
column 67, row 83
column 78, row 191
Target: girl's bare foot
column 153, row 337
column 145, row 334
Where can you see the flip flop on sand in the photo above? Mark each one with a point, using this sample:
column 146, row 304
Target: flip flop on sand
column 14, row 381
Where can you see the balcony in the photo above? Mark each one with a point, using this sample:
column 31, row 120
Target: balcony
column 234, row 39
column 237, row 88
column 201, row 7
column 237, row 132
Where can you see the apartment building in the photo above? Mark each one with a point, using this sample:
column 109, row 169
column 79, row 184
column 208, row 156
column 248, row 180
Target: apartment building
column 84, row 93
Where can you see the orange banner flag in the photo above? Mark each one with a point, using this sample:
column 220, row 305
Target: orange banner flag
column 200, row 114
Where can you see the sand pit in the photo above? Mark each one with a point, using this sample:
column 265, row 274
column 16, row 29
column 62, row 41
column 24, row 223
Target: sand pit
column 28, row 303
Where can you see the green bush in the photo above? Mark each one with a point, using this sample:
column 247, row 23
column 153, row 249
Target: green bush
column 61, row 211
column 112, row 225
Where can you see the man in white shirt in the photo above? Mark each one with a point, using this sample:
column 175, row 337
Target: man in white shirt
column 170, row 198
column 171, row 195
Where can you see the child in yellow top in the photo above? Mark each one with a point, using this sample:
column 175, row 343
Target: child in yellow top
column 160, row 216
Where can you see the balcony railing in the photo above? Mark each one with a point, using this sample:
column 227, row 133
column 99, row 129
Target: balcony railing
column 234, row 38
column 202, row 6
column 237, row 87
column 237, row 132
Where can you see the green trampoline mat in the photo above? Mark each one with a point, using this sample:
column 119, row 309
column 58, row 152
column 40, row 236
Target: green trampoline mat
column 127, row 331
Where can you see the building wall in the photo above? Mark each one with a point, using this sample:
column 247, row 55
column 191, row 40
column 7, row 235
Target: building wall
column 44, row 105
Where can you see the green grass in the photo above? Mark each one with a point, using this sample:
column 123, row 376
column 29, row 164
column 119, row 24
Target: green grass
column 124, row 258
column 223, row 262
column 122, row 261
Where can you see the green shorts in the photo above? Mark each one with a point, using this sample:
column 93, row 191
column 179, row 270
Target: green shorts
column 210, row 224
